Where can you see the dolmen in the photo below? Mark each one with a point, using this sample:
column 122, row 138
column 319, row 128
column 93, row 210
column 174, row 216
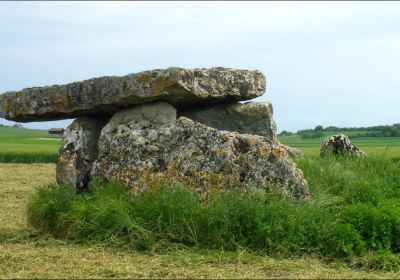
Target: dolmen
column 175, row 124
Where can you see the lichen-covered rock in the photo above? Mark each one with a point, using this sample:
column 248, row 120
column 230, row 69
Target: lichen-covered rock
column 250, row 117
column 294, row 153
column 178, row 86
column 203, row 158
column 340, row 145
column 147, row 116
column 78, row 151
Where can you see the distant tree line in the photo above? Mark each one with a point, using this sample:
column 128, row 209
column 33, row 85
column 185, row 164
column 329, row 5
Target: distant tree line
column 17, row 125
column 371, row 131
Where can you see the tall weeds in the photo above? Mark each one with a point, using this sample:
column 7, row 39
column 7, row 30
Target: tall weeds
column 355, row 210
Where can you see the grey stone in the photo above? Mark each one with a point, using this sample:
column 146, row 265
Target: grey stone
column 78, row 151
column 180, row 87
column 147, row 116
column 205, row 159
column 340, row 145
column 250, row 117
column 294, row 153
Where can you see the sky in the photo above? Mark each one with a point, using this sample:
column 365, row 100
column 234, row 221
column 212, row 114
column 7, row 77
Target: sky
column 326, row 63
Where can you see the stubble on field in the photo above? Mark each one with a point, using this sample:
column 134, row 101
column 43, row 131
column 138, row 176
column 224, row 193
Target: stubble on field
column 17, row 183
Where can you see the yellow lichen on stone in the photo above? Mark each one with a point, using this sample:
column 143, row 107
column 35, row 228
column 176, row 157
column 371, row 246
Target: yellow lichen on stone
column 8, row 106
column 143, row 79
column 61, row 102
column 279, row 152
column 159, row 84
column 263, row 151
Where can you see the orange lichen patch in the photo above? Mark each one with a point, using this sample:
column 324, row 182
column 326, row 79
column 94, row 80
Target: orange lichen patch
column 224, row 152
column 73, row 127
column 65, row 162
column 8, row 106
column 263, row 151
column 65, row 167
column 204, row 184
column 160, row 84
column 61, row 102
column 279, row 152
column 143, row 79
column 250, row 140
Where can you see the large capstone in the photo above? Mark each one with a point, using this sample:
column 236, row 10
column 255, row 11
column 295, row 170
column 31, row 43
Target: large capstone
column 78, row 151
column 340, row 145
column 181, row 87
column 136, row 152
column 250, row 118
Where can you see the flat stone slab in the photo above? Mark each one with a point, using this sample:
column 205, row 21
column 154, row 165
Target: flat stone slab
column 180, row 87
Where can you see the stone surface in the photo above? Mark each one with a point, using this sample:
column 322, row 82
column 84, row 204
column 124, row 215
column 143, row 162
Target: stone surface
column 78, row 151
column 178, row 86
column 146, row 116
column 250, row 117
column 294, row 153
column 205, row 159
column 340, row 145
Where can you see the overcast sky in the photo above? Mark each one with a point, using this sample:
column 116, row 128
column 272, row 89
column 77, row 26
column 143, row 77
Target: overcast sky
column 328, row 63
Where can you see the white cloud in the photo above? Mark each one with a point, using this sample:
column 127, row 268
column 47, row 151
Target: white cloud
column 315, row 54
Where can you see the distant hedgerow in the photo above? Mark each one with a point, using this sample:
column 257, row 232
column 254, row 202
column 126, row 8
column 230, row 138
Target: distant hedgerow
column 18, row 157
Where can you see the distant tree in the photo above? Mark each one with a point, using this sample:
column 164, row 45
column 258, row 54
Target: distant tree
column 312, row 135
column 332, row 128
column 395, row 131
column 304, row 131
column 285, row 133
column 372, row 131
column 319, row 128
column 18, row 125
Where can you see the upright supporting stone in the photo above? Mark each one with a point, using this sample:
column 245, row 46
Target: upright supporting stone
column 248, row 118
column 78, row 151
column 142, row 144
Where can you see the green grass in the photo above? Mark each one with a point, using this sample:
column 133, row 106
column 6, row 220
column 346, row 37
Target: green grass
column 21, row 145
column 28, row 157
column 373, row 146
column 354, row 216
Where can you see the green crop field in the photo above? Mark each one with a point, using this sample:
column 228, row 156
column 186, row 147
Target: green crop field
column 373, row 146
column 21, row 145
column 27, row 145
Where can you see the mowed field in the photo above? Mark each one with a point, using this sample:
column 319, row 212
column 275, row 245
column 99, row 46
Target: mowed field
column 26, row 254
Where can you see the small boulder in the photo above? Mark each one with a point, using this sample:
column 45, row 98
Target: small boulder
column 340, row 145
